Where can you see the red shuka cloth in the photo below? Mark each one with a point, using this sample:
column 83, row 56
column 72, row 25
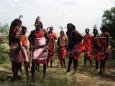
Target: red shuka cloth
column 96, row 48
column 39, row 56
column 103, row 55
column 87, row 46
column 62, row 52
column 77, row 50
column 51, row 46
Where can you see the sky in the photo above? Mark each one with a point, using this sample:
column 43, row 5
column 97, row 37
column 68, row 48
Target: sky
column 82, row 13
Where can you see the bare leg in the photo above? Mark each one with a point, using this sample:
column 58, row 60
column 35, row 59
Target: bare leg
column 26, row 70
column 33, row 69
column 44, row 70
column 69, row 64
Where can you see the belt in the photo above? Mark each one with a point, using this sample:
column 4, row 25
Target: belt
column 42, row 46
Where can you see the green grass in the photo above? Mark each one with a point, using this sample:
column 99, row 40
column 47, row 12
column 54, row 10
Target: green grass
column 55, row 76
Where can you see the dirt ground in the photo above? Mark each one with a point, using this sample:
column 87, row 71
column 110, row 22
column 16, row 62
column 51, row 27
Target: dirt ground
column 85, row 76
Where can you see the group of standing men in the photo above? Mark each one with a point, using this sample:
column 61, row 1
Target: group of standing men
column 42, row 47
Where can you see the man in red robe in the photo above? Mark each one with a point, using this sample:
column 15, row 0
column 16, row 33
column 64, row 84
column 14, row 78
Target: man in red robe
column 87, row 46
column 104, row 47
column 51, row 46
column 96, row 48
column 24, row 49
column 62, row 44
column 74, row 46
column 14, row 43
column 40, row 42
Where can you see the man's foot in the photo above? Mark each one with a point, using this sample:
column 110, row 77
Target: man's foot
column 67, row 71
column 91, row 65
column 33, row 78
column 19, row 77
column 64, row 66
column 13, row 79
column 16, row 78
column 61, row 66
column 74, row 72
column 96, row 69
column 44, row 77
column 103, row 71
column 100, row 72
column 27, row 78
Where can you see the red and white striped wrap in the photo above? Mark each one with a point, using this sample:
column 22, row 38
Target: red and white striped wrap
column 39, row 55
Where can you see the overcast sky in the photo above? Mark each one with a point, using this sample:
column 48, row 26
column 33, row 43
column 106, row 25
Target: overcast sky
column 82, row 13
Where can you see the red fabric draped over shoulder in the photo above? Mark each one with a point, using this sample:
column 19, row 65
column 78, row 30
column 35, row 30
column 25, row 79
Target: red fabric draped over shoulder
column 87, row 45
column 52, row 42
column 39, row 34
column 77, row 50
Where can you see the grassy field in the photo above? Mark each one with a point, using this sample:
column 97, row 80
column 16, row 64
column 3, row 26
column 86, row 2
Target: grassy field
column 56, row 76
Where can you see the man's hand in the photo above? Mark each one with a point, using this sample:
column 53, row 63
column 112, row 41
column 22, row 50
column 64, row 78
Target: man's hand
column 27, row 64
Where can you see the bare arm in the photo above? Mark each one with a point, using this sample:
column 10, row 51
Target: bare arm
column 47, row 37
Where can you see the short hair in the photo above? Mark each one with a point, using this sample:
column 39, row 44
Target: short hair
column 62, row 32
column 24, row 29
column 87, row 30
column 104, row 29
column 14, row 23
column 95, row 31
column 71, row 25
column 51, row 27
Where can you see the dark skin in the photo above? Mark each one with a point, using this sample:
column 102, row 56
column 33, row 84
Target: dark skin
column 39, row 27
column 14, row 38
column 74, row 38
column 104, row 31
column 24, row 30
column 26, row 64
column 87, row 31
column 50, row 31
column 95, row 33
column 62, row 34
column 62, row 61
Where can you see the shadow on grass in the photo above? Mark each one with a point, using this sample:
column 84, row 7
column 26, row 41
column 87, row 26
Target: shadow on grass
column 107, row 76
column 92, row 73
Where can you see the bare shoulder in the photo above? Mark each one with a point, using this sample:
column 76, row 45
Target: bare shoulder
column 45, row 30
column 106, row 33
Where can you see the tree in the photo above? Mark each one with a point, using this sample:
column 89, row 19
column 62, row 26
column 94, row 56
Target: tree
column 108, row 20
column 4, row 29
column 4, row 48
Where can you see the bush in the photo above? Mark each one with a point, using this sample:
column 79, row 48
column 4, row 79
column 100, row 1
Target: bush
column 4, row 53
column 112, row 43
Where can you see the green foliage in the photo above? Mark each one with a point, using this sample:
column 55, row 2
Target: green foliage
column 4, row 53
column 4, row 39
column 109, row 21
column 4, row 29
